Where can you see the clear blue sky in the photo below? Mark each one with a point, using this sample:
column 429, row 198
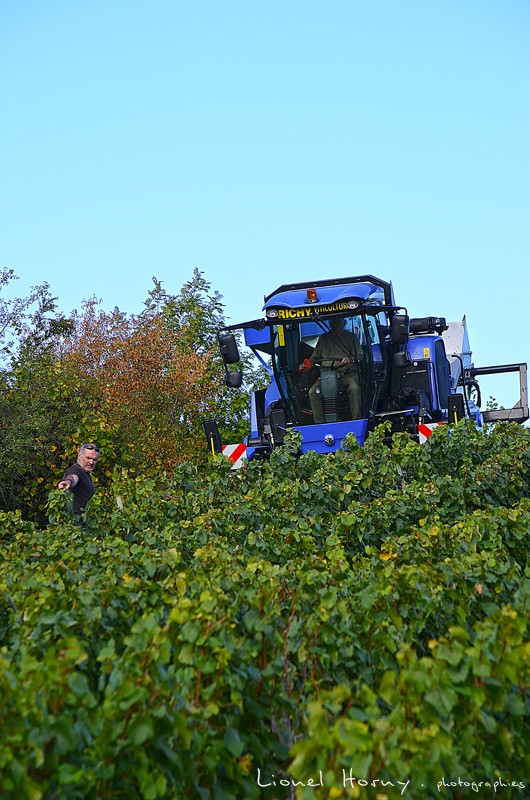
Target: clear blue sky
column 271, row 142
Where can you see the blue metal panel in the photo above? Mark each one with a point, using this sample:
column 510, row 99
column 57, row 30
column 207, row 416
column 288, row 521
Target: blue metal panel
column 253, row 337
column 253, row 417
column 314, row 435
column 296, row 298
column 419, row 344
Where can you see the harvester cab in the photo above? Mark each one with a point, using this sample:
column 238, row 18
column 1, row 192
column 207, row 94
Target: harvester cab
column 342, row 358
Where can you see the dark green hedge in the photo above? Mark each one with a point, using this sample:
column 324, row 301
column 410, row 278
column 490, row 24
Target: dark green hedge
column 356, row 625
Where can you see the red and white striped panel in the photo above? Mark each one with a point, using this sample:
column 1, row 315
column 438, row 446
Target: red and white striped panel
column 235, row 453
column 425, row 431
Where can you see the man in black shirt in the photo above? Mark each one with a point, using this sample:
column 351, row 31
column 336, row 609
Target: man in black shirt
column 77, row 477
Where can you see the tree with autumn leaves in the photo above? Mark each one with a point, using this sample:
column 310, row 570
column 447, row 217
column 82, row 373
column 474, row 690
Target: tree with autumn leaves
column 139, row 385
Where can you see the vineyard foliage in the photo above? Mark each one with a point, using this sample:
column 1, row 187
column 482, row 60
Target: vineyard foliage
column 217, row 635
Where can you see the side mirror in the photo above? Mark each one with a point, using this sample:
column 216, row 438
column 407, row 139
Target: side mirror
column 400, row 329
column 233, row 379
column 228, row 348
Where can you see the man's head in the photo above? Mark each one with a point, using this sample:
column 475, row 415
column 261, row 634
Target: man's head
column 88, row 456
column 337, row 324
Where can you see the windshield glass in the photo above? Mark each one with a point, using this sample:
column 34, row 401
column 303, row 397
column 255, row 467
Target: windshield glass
column 330, row 369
